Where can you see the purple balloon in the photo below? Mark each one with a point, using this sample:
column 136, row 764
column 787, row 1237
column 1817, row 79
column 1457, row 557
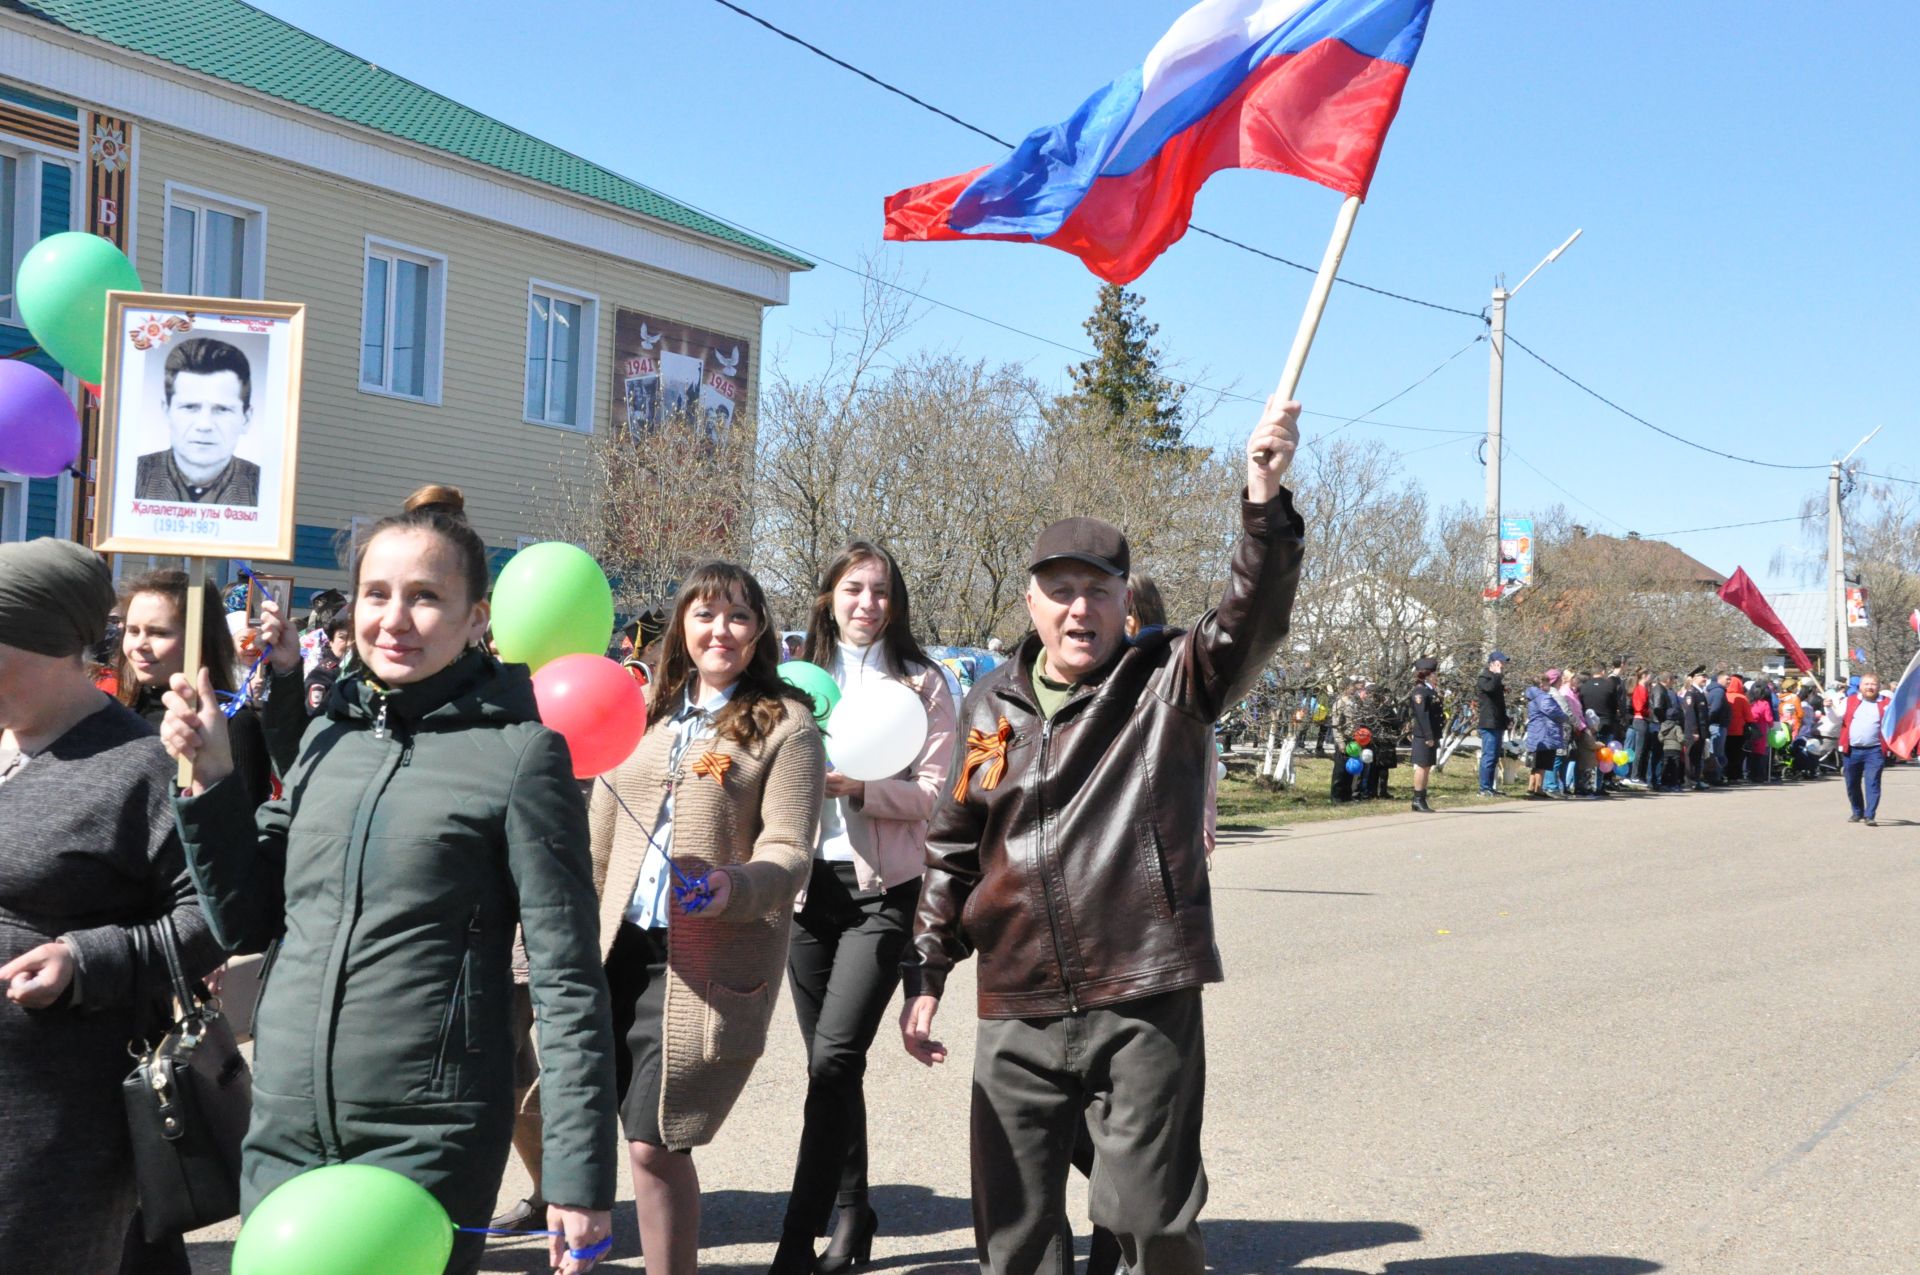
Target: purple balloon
column 39, row 429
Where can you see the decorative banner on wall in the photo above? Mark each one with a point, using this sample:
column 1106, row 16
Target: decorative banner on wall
column 1516, row 555
column 109, row 214
column 109, row 178
column 1858, row 617
column 662, row 368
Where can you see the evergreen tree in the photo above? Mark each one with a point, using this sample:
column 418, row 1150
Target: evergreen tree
column 1123, row 382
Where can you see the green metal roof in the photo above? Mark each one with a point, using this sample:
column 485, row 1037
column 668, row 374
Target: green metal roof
column 242, row 45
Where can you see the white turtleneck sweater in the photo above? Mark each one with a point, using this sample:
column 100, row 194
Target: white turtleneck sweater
column 853, row 666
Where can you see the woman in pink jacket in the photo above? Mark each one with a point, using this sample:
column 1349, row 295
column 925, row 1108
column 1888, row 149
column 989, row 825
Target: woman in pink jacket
column 850, row 934
column 1759, row 747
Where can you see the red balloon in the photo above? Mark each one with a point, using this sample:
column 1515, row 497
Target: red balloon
column 1363, row 736
column 595, row 706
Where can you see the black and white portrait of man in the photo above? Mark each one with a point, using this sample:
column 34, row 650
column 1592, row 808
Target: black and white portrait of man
column 207, row 400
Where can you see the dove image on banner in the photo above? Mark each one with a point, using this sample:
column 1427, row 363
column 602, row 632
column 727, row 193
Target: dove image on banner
column 1305, row 87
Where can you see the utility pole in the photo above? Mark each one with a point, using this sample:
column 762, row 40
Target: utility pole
column 1836, row 585
column 1496, row 386
column 1839, row 667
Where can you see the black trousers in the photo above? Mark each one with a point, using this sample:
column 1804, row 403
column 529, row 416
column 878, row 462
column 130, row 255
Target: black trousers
column 843, row 964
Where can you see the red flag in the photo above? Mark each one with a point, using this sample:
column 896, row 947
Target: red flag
column 1914, row 619
column 1741, row 593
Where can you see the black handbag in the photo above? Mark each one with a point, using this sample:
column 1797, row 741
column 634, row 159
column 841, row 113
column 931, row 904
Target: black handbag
column 188, row 1101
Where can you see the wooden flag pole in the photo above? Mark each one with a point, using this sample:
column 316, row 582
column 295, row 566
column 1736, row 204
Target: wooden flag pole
column 196, row 620
column 1317, row 299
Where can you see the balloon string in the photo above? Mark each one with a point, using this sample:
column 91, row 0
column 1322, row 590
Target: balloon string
column 588, row 1254
column 693, row 893
column 231, row 701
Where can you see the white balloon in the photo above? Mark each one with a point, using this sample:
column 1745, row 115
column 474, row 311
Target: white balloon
column 1366, row 755
column 876, row 731
column 1220, row 772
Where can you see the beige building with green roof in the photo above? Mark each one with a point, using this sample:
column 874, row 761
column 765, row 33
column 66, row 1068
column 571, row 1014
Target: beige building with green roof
column 479, row 302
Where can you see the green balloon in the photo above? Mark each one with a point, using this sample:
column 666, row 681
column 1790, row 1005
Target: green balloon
column 551, row 600
column 345, row 1219
column 817, row 683
column 1780, row 736
column 1353, row 750
column 62, row 289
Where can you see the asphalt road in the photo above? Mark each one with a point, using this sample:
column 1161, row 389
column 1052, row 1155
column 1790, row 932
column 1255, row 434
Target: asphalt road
column 1590, row 1038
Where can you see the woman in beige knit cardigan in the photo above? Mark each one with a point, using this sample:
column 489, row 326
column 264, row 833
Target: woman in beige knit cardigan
column 701, row 840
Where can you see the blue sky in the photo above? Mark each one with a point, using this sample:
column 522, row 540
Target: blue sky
column 1748, row 177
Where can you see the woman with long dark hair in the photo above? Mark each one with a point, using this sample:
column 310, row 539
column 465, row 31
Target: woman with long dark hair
column 700, row 843
column 153, row 647
column 857, row 918
column 428, row 813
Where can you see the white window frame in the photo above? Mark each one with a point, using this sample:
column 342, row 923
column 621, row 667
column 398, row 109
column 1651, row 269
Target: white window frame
column 13, row 525
column 392, row 250
column 587, row 374
column 29, row 160
column 253, row 267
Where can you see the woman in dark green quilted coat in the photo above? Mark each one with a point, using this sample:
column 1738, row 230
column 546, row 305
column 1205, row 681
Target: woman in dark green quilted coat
column 427, row 813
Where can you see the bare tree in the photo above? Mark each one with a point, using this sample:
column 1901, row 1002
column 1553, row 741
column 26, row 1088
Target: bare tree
column 651, row 505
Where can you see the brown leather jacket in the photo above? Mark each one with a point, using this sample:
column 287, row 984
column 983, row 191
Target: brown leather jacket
column 1077, row 872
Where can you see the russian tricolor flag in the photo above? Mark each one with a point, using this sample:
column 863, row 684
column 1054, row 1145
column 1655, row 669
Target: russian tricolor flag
column 1900, row 723
column 1306, row 87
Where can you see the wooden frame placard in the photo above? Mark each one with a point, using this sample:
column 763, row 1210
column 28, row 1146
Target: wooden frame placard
column 199, row 427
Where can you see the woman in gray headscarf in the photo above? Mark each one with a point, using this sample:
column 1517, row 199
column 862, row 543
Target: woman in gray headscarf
column 88, row 851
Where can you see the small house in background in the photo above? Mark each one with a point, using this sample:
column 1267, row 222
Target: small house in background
column 480, row 302
column 1653, row 563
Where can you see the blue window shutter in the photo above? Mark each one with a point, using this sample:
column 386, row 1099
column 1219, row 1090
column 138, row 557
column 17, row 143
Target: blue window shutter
column 12, row 338
column 43, row 509
column 56, row 198
column 313, row 548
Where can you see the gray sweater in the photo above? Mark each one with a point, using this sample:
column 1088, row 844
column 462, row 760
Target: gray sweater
column 87, row 848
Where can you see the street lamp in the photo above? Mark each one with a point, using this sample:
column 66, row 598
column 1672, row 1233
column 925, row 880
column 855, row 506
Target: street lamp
column 1495, row 383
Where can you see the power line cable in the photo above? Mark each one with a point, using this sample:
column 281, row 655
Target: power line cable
column 868, row 275
column 1891, row 478
column 1632, row 416
column 1509, row 451
column 1410, row 389
column 950, row 117
column 1725, row 526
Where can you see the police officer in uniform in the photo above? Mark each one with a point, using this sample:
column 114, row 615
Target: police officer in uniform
column 1693, row 721
column 1427, row 721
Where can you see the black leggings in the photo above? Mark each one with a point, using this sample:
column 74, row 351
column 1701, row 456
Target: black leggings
column 843, row 963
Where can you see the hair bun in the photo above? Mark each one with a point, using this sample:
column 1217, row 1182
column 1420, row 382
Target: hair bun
column 437, row 498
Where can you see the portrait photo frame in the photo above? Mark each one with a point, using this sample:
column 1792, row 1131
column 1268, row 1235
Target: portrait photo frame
column 262, row 587
column 199, row 426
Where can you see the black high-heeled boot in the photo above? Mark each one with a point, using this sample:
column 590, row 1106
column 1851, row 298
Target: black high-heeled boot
column 852, row 1244
column 1103, row 1253
column 794, row 1256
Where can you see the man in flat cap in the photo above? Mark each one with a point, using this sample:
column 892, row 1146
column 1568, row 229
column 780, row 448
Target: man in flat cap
column 1068, row 855
column 1427, row 722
